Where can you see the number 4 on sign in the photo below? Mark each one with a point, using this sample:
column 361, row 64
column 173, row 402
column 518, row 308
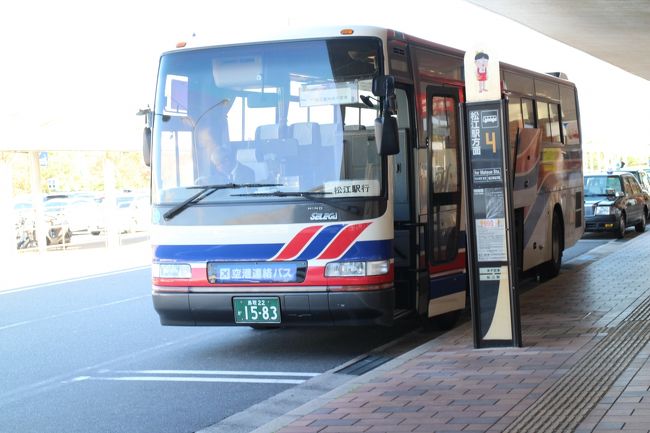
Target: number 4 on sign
column 491, row 139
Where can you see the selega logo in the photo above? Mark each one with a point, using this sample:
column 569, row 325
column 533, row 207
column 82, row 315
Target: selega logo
column 324, row 216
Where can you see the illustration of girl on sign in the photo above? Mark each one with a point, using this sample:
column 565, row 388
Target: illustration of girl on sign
column 481, row 61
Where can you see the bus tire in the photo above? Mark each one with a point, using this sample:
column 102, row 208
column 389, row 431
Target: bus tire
column 551, row 268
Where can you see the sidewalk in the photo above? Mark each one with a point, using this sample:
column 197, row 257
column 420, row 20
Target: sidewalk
column 32, row 267
column 584, row 367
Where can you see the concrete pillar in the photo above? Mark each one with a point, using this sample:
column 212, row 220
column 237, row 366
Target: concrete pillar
column 110, row 206
column 37, row 201
column 7, row 214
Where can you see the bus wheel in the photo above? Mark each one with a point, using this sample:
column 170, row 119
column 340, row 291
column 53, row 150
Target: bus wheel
column 551, row 268
column 445, row 321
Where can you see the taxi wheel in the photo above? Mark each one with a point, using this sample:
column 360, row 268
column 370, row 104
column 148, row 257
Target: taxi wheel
column 640, row 227
column 621, row 227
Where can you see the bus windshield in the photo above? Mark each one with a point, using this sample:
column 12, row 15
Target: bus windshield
column 285, row 120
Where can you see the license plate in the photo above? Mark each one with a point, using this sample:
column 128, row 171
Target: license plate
column 257, row 310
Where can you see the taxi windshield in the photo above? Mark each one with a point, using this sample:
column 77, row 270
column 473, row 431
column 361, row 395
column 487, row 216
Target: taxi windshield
column 602, row 185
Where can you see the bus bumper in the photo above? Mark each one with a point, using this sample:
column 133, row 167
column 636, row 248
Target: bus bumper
column 358, row 308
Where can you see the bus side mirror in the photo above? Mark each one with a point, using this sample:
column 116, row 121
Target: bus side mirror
column 146, row 146
column 146, row 134
column 386, row 136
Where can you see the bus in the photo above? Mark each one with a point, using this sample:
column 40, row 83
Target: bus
column 349, row 206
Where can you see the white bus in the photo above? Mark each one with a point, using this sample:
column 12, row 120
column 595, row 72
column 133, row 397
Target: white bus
column 343, row 200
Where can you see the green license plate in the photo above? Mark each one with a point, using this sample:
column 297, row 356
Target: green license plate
column 257, row 310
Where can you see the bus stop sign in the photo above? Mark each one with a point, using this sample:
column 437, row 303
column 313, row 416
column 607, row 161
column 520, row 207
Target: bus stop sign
column 495, row 312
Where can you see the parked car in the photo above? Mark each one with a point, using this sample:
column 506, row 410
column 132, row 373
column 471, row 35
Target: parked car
column 126, row 213
column 25, row 225
column 58, row 228
column 82, row 213
column 614, row 201
column 641, row 176
column 58, row 231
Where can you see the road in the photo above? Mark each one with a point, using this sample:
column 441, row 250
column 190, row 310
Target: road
column 89, row 355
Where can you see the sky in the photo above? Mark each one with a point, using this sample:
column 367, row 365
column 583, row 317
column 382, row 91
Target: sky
column 75, row 73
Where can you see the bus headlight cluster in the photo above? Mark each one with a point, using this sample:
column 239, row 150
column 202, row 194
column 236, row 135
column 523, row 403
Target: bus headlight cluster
column 604, row 210
column 357, row 269
column 171, row 270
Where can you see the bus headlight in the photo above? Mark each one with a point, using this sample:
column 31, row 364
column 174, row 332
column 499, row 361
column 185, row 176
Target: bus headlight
column 357, row 269
column 171, row 270
column 604, row 210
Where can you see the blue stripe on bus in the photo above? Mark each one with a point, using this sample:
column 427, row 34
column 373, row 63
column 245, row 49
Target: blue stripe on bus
column 319, row 243
column 369, row 250
column 202, row 253
column 447, row 285
column 360, row 250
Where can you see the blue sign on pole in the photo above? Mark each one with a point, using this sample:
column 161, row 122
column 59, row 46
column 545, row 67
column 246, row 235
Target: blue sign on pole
column 495, row 305
column 42, row 159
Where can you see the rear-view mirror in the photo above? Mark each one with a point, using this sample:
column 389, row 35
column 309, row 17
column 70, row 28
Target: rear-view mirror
column 386, row 136
column 146, row 134
column 146, row 146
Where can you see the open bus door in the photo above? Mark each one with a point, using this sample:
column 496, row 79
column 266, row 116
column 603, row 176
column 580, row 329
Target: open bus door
column 427, row 211
column 445, row 241
column 410, row 272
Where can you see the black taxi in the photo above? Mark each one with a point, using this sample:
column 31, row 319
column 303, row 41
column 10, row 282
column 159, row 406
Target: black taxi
column 614, row 201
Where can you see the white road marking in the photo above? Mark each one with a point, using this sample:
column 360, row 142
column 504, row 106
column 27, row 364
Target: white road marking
column 205, row 376
column 223, row 373
column 199, row 379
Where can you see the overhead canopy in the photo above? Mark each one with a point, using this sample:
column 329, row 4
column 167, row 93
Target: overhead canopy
column 617, row 32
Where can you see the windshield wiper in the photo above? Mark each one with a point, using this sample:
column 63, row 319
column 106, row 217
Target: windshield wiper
column 205, row 191
column 277, row 193
column 313, row 195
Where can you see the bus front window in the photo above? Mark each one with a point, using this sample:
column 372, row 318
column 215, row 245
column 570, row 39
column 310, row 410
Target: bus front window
column 298, row 115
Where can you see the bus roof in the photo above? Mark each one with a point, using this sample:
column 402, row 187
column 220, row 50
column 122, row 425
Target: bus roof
column 199, row 40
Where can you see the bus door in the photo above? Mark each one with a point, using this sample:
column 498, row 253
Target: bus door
column 444, row 210
column 408, row 246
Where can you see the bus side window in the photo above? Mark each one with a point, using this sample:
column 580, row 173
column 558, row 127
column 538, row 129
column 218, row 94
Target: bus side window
column 445, row 178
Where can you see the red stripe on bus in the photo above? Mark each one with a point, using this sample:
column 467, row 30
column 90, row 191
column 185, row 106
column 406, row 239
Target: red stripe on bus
column 295, row 245
column 458, row 263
